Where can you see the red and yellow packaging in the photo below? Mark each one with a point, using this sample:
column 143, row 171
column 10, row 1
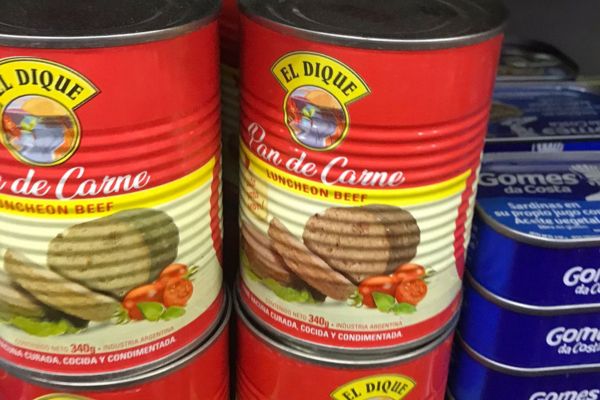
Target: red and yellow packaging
column 359, row 160
column 110, row 203
column 203, row 374
column 269, row 368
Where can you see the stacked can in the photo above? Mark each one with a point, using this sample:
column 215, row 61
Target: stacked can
column 110, row 210
column 362, row 128
column 530, row 323
column 533, row 61
column 545, row 117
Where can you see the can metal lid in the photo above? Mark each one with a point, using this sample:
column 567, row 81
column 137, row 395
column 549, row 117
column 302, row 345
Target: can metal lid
column 383, row 24
column 528, row 309
column 519, row 371
column 99, row 23
column 533, row 239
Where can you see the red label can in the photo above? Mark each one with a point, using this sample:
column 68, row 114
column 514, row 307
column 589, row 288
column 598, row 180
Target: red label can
column 361, row 143
column 270, row 368
column 202, row 374
column 110, row 230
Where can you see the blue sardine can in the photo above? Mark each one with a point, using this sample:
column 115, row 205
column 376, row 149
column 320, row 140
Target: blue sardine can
column 474, row 377
column 536, row 235
column 544, row 117
column 528, row 60
column 523, row 337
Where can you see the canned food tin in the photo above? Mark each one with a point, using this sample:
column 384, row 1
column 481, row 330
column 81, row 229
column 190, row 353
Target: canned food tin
column 362, row 128
column 269, row 367
column 202, row 374
column 544, row 117
column 473, row 376
column 538, row 215
column 110, row 232
column 529, row 60
column 495, row 327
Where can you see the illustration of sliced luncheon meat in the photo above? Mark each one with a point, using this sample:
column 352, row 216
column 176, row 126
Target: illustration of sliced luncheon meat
column 308, row 266
column 16, row 301
column 363, row 241
column 55, row 291
column 117, row 253
column 264, row 260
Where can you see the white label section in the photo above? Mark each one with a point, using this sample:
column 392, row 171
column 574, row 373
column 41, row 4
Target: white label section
column 262, row 202
column 190, row 214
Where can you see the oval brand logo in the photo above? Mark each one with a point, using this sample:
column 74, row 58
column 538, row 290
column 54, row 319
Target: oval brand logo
column 319, row 89
column 378, row 387
column 38, row 99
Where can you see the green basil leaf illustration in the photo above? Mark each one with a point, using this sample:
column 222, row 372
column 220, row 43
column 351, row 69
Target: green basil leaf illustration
column 36, row 327
column 172, row 313
column 384, row 302
column 288, row 294
column 403, row 308
column 151, row 310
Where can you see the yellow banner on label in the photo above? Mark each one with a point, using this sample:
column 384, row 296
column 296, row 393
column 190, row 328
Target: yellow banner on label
column 392, row 387
column 22, row 76
column 62, row 397
column 352, row 196
column 98, row 207
column 299, row 69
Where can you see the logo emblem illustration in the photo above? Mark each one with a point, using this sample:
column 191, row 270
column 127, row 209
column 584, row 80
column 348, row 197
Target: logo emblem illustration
column 38, row 100
column 319, row 90
column 378, row 387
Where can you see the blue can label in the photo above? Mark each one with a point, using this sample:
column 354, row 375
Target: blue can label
column 522, row 339
column 543, row 196
column 572, row 341
column 584, row 394
column 545, row 111
column 472, row 378
column 542, row 214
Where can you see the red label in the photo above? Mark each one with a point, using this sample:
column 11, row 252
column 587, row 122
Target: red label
column 277, row 374
column 357, row 185
column 110, row 215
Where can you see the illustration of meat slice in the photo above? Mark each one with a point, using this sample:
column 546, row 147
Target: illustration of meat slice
column 308, row 266
column 117, row 253
column 363, row 241
column 55, row 291
column 16, row 301
column 265, row 261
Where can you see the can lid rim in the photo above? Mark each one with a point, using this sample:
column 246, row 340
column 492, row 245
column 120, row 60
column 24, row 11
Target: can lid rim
column 352, row 360
column 176, row 26
column 519, row 371
column 550, row 85
column 532, row 239
column 528, row 309
column 293, row 25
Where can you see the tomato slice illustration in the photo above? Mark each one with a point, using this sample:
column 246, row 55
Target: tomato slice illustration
column 408, row 272
column 411, row 292
column 379, row 284
column 177, row 292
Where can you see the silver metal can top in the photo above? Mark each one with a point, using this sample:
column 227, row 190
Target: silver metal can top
column 99, row 23
column 383, row 24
